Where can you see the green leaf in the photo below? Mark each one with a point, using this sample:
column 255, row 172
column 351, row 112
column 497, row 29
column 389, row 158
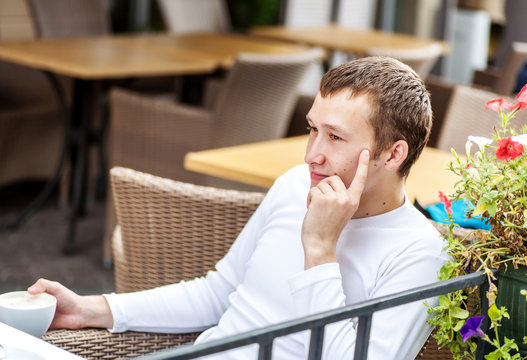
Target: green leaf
column 494, row 313
column 459, row 325
column 495, row 355
column 446, row 271
column 443, row 301
column 492, row 208
column 460, row 313
column 480, row 208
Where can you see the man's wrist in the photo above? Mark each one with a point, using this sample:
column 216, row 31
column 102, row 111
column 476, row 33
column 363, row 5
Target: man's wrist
column 97, row 312
column 314, row 257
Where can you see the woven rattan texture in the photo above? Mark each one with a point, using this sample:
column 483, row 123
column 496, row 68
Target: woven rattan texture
column 66, row 18
column 100, row 344
column 172, row 231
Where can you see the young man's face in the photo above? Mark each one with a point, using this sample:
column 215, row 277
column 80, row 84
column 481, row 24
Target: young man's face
column 339, row 131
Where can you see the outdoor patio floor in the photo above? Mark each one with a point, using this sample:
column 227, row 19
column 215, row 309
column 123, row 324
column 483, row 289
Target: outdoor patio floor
column 34, row 249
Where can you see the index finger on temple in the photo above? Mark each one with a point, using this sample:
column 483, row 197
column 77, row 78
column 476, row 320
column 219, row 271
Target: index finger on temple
column 359, row 180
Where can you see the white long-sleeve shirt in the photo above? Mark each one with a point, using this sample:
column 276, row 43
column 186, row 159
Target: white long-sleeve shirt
column 262, row 281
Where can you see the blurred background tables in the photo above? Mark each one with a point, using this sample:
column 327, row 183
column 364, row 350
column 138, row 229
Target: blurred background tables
column 261, row 163
column 92, row 60
column 358, row 42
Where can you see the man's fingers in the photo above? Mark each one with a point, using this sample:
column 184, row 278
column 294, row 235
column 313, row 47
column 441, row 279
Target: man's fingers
column 357, row 185
column 41, row 286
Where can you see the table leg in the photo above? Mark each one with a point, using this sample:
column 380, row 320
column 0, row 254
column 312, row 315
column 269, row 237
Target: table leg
column 53, row 182
column 84, row 96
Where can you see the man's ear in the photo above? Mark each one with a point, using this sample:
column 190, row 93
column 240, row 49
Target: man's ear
column 395, row 155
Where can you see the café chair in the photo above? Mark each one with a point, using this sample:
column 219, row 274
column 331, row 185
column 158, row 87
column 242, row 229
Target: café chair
column 67, row 18
column 466, row 115
column 253, row 103
column 184, row 16
column 31, row 130
column 168, row 231
column 502, row 80
column 421, row 60
column 305, row 14
column 440, row 91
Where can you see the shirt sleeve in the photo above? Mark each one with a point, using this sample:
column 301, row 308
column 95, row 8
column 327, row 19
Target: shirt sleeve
column 396, row 333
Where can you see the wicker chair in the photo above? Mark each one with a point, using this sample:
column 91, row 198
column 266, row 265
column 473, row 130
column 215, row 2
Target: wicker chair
column 466, row 115
column 30, row 125
column 502, row 80
column 421, row 60
column 66, row 18
column 183, row 16
column 253, row 103
column 169, row 231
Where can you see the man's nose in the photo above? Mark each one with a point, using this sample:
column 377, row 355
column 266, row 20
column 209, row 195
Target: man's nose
column 315, row 151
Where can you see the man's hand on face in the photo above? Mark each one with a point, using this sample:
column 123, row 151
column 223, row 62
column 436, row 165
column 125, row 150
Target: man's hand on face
column 330, row 206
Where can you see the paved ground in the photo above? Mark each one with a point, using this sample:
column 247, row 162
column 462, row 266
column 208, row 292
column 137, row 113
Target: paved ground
column 34, row 249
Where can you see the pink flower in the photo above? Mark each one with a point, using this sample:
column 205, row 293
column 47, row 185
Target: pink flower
column 444, row 199
column 508, row 149
column 498, row 105
column 522, row 97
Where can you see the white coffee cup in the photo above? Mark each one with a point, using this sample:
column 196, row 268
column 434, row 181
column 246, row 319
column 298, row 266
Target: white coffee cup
column 30, row 313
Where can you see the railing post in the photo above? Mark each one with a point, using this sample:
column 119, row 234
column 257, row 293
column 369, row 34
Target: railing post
column 266, row 350
column 363, row 337
column 316, row 343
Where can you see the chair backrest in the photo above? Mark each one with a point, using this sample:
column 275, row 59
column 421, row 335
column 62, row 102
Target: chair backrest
column 421, row 60
column 307, row 13
column 357, row 14
column 69, row 18
column 184, row 16
column 170, row 230
column 517, row 57
column 258, row 97
column 466, row 115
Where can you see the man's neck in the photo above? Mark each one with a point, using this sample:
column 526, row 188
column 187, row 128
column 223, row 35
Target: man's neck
column 381, row 200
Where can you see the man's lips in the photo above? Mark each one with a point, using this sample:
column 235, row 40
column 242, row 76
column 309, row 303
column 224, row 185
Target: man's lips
column 317, row 177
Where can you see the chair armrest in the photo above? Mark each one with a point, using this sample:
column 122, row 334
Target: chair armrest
column 486, row 78
column 102, row 344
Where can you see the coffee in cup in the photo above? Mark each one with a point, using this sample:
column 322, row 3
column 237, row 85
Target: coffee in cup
column 30, row 313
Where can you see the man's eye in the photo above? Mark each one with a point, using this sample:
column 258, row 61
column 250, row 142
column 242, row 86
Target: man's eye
column 311, row 128
column 335, row 137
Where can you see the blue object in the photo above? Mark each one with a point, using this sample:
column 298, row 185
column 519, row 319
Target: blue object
column 459, row 209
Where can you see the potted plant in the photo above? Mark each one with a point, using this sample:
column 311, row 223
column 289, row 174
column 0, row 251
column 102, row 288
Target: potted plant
column 493, row 185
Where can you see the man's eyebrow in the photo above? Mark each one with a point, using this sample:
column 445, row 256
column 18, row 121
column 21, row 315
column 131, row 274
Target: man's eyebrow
column 335, row 128
column 331, row 127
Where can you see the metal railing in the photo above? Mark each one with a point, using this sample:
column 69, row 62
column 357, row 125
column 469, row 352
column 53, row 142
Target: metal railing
column 316, row 323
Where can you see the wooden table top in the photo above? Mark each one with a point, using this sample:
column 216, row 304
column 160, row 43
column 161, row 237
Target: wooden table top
column 137, row 55
column 261, row 163
column 334, row 37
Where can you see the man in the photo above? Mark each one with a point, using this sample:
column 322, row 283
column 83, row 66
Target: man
column 336, row 231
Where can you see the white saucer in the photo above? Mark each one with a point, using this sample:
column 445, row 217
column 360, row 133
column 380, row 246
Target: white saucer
column 21, row 354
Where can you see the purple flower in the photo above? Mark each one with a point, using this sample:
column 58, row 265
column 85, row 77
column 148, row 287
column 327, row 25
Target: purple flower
column 467, row 265
column 472, row 328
